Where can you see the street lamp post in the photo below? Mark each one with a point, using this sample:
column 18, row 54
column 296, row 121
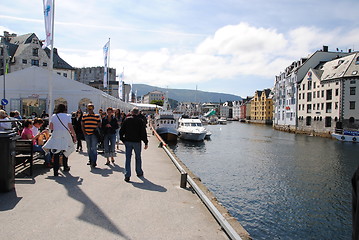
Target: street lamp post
column 4, row 50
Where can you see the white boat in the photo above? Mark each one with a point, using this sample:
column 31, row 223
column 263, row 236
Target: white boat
column 191, row 129
column 346, row 136
column 166, row 126
column 222, row 121
column 166, row 123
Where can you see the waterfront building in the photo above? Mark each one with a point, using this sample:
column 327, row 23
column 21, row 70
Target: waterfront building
column 153, row 96
column 236, row 109
column 94, row 76
column 285, row 87
column 245, row 108
column 26, row 50
column 226, row 110
column 328, row 97
column 262, row 107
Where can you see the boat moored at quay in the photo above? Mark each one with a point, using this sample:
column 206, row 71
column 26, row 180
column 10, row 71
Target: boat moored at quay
column 346, row 135
column 191, row 129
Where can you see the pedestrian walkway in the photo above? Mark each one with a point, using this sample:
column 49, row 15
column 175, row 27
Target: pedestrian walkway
column 97, row 203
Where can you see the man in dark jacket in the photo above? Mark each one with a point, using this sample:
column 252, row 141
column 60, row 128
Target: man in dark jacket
column 132, row 132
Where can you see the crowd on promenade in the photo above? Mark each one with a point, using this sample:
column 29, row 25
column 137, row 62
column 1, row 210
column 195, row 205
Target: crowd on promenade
column 56, row 136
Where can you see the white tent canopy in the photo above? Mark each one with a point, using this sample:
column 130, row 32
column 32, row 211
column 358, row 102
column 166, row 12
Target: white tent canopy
column 29, row 88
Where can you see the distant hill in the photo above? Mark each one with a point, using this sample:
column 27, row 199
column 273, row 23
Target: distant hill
column 185, row 95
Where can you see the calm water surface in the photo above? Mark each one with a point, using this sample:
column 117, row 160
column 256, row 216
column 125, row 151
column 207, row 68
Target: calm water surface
column 278, row 185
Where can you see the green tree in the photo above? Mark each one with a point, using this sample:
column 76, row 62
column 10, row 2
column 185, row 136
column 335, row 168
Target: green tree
column 157, row 102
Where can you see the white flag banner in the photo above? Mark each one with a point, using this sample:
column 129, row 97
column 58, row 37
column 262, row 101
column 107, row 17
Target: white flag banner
column 120, row 87
column 48, row 13
column 105, row 70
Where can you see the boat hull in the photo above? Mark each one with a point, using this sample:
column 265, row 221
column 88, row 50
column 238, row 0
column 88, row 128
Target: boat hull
column 167, row 134
column 345, row 138
column 192, row 136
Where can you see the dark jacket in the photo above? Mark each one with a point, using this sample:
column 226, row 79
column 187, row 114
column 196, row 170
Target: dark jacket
column 133, row 130
column 76, row 123
column 109, row 130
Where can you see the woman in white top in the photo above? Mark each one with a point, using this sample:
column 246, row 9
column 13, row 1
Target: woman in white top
column 62, row 138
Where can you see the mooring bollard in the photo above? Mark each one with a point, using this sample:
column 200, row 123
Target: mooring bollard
column 183, row 180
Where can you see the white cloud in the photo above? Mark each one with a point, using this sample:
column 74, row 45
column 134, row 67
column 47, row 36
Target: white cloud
column 232, row 51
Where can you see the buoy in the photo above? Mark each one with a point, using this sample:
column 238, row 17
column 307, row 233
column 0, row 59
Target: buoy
column 343, row 138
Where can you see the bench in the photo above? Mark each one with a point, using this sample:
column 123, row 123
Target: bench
column 23, row 149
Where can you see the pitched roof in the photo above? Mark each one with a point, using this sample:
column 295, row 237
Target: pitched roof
column 338, row 68
column 59, row 63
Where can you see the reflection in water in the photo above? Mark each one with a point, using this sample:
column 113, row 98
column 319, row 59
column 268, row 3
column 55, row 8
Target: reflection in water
column 278, row 185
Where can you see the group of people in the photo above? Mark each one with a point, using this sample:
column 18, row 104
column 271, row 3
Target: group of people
column 115, row 126
column 107, row 128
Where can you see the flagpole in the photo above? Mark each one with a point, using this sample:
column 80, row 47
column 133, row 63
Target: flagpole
column 108, row 66
column 51, row 105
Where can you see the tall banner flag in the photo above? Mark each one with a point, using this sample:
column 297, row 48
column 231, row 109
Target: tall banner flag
column 120, row 86
column 105, row 70
column 48, row 13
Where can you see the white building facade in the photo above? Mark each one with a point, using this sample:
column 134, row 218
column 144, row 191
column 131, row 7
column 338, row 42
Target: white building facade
column 285, row 88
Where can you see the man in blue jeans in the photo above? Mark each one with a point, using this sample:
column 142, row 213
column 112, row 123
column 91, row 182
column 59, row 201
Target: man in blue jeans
column 132, row 132
column 90, row 121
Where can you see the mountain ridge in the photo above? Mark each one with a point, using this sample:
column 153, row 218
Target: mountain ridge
column 186, row 95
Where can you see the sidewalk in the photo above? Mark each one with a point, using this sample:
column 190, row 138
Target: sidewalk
column 97, row 203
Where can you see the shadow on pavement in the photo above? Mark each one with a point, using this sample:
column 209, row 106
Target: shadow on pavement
column 91, row 212
column 148, row 185
column 9, row 200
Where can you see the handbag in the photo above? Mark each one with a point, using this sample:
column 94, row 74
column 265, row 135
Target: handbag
column 66, row 128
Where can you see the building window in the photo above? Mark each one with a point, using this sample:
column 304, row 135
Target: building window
column 300, row 96
column 24, row 61
column 352, row 81
column 44, row 64
column 313, row 106
column 318, row 106
column 328, row 107
column 329, row 94
column 65, row 74
column 35, row 52
column 299, row 107
column 322, row 106
column 328, row 121
column 318, row 95
column 308, row 121
column 309, row 96
column 322, row 93
column 58, row 73
column 352, row 105
column 34, row 62
column 357, row 60
column 309, row 108
column 352, row 90
column 336, row 105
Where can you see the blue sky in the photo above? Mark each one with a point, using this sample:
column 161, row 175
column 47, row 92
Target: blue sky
column 229, row 46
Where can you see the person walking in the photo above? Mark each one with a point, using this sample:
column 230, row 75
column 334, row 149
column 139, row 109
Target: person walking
column 90, row 122
column 132, row 132
column 109, row 126
column 62, row 138
column 76, row 122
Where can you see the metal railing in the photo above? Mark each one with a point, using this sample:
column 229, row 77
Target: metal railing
column 185, row 178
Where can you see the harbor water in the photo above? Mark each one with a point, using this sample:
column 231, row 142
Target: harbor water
column 278, row 185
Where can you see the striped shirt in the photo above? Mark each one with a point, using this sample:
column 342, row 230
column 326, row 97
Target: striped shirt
column 90, row 122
